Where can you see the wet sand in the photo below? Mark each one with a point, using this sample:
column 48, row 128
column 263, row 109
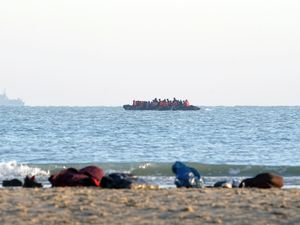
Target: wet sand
column 167, row 206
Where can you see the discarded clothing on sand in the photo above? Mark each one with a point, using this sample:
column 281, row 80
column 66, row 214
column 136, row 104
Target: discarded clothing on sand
column 263, row 180
column 12, row 183
column 125, row 181
column 186, row 176
column 117, row 180
column 227, row 184
column 30, row 182
column 86, row 177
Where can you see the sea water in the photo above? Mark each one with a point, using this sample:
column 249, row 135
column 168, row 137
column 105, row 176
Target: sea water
column 221, row 142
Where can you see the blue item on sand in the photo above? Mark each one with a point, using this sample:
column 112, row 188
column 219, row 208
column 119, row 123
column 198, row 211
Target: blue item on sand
column 186, row 176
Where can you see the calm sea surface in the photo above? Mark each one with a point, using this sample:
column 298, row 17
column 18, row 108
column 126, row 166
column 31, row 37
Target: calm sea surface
column 219, row 141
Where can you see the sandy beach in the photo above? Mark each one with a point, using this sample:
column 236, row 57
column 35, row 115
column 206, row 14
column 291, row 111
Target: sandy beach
column 166, row 206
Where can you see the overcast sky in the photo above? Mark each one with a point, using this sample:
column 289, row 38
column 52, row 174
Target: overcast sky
column 96, row 52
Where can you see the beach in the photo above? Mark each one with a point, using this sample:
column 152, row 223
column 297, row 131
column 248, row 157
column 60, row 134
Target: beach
column 164, row 206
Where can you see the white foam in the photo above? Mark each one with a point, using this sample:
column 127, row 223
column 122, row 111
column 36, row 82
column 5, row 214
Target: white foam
column 145, row 166
column 12, row 169
column 234, row 171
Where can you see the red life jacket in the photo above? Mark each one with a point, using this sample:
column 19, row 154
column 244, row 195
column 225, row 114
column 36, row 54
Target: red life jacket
column 186, row 103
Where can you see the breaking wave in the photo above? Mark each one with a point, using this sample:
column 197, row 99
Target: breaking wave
column 164, row 169
column 12, row 169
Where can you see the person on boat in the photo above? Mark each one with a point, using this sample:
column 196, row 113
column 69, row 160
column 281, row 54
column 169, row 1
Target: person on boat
column 175, row 102
column 148, row 105
column 154, row 103
column 161, row 103
column 186, row 103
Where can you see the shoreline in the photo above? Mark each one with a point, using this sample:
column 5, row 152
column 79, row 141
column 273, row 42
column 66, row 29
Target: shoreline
column 164, row 206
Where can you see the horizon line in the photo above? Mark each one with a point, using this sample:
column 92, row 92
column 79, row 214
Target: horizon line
column 237, row 105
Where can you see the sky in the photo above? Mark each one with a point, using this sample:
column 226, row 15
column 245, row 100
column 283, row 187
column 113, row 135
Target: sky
column 107, row 53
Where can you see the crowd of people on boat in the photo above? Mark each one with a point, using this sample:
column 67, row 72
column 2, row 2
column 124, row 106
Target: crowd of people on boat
column 161, row 103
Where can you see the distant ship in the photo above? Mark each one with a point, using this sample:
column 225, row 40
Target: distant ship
column 5, row 101
column 161, row 105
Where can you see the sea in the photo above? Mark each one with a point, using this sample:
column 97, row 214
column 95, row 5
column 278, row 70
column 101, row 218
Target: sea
column 223, row 143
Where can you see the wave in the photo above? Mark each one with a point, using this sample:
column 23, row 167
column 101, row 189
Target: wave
column 158, row 173
column 12, row 169
column 164, row 169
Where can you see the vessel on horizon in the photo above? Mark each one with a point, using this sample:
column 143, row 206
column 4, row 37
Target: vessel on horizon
column 159, row 104
column 5, row 101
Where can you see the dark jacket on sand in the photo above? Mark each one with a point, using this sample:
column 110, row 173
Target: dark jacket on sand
column 263, row 180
